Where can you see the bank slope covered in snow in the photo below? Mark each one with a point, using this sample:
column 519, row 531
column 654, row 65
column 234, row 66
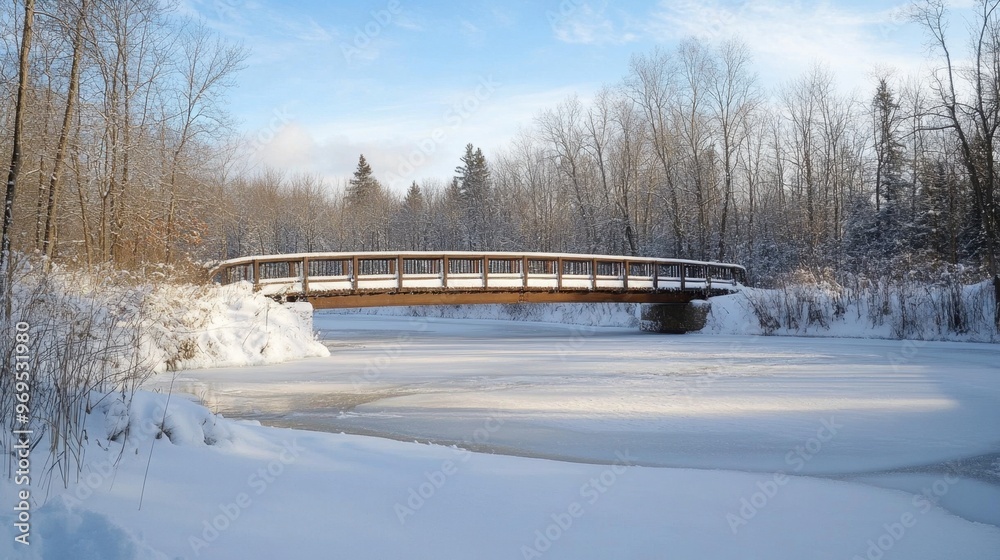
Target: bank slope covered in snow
column 254, row 492
column 87, row 341
column 164, row 478
column 147, row 324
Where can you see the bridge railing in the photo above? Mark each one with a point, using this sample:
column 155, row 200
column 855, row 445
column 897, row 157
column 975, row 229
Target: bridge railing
column 332, row 273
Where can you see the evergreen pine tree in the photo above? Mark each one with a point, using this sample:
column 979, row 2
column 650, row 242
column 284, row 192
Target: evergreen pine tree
column 368, row 208
column 893, row 221
column 472, row 181
column 363, row 187
column 414, row 201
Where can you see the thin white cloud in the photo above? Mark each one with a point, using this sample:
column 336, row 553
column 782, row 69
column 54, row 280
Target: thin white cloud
column 308, row 30
column 788, row 37
column 407, row 21
column 587, row 25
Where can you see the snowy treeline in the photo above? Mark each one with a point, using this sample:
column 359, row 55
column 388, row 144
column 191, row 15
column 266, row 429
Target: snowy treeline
column 124, row 160
column 688, row 155
column 119, row 121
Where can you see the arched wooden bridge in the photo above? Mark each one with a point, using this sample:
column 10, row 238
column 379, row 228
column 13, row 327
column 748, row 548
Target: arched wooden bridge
column 337, row 280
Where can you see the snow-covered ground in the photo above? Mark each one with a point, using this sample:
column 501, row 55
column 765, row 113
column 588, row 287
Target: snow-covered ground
column 699, row 446
column 616, row 444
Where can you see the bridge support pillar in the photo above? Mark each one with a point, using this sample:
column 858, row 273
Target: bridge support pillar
column 674, row 318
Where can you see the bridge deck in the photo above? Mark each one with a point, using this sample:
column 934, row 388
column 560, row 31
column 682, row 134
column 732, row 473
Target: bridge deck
column 434, row 278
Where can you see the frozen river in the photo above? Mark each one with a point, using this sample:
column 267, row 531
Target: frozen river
column 893, row 414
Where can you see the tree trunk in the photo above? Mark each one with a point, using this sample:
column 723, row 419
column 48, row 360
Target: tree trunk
column 48, row 244
column 996, row 301
column 15, row 158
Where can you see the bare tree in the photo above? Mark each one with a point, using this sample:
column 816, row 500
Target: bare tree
column 971, row 109
column 16, row 156
column 72, row 94
column 561, row 128
column 207, row 66
column 734, row 94
column 691, row 117
column 651, row 83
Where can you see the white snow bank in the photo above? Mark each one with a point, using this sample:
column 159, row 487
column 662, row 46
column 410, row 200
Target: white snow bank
column 143, row 415
column 214, row 326
column 158, row 326
column 273, row 493
column 63, row 532
column 914, row 311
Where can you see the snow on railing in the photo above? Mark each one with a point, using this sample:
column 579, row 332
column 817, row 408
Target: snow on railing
column 305, row 274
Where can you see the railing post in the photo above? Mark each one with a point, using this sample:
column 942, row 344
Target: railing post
column 524, row 271
column 559, row 272
column 354, row 273
column 399, row 272
column 486, row 271
column 626, row 266
column 656, row 275
column 593, row 274
column 683, row 275
column 256, row 275
column 305, row 276
column 445, row 265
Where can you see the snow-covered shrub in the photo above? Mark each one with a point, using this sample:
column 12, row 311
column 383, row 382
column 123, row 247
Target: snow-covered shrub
column 932, row 305
column 93, row 337
column 78, row 336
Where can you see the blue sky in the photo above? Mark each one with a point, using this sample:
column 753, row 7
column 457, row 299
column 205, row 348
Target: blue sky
column 410, row 83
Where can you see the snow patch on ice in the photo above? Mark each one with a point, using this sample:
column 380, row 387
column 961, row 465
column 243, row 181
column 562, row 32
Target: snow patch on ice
column 144, row 415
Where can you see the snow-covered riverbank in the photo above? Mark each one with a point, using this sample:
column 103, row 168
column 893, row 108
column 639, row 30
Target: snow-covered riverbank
column 618, row 443
column 765, row 429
